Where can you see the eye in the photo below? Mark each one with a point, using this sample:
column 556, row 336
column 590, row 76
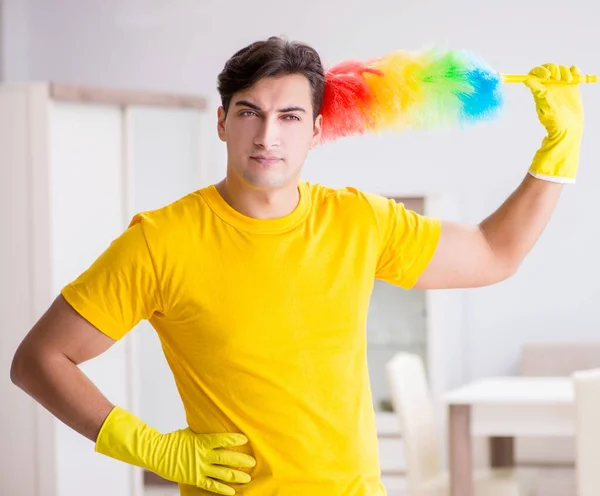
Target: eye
column 247, row 113
column 290, row 117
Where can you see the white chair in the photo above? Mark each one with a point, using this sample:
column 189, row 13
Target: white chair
column 587, row 428
column 551, row 359
column 412, row 402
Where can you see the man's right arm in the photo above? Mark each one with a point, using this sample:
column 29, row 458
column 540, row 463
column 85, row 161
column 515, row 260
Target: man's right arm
column 46, row 366
column 104, row 303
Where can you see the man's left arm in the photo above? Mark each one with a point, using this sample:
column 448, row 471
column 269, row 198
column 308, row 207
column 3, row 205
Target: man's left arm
column 473, row 256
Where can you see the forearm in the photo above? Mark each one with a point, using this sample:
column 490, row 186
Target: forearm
column 55, row 382
column 58, row 384
column 513, row 229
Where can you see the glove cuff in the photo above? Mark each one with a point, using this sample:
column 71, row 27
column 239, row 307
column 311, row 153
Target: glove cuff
column 557, row 160
column 552, row 179
column 121, row 436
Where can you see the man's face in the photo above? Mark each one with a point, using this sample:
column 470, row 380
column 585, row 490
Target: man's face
column 269, row 129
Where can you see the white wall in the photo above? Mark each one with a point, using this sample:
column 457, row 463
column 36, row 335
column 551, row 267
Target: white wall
column 14, row 40
column 182, row 45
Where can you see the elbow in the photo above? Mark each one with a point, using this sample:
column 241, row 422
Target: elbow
column 499, row 269
column 508, row 269
column 502, row 262
column 22, row 367
column 18, row 368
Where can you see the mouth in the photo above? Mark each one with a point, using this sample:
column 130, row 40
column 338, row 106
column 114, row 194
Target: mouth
column 266, row 160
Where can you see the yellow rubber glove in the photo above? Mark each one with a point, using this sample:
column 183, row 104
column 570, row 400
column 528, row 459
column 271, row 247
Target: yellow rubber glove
column 181, row 456
column 560, row 111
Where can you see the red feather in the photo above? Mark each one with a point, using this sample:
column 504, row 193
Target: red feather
column 346, row 100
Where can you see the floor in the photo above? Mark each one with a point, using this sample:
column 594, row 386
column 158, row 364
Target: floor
column 551, row 482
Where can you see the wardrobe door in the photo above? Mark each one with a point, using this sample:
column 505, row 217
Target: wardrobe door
column 87, row 211
column 165, row 158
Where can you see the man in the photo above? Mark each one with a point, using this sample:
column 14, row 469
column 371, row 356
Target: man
column 258, row 287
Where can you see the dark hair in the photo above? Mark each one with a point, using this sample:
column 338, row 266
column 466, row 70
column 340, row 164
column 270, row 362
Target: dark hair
column 271, row 58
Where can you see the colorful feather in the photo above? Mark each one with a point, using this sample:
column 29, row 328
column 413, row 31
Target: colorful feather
column 348, row 99
column 403, row 90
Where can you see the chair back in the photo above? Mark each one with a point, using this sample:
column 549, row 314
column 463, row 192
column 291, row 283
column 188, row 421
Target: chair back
column 411, row 400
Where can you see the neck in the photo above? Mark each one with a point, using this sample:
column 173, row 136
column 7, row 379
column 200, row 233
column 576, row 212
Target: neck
column 259, row 204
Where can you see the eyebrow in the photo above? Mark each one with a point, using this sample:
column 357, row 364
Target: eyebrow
column 246, row 103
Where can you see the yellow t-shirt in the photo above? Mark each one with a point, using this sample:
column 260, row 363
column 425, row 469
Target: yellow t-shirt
column 263, row 323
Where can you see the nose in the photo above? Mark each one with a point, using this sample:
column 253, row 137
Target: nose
column 268, row 134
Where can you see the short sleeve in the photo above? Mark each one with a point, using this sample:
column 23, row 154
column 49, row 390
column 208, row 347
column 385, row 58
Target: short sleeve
column 120, row 288
column 408, row 241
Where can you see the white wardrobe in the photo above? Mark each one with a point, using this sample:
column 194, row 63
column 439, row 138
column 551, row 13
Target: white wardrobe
column 75, row 164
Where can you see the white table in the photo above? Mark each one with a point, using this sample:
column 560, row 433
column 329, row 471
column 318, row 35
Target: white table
column 500, row 409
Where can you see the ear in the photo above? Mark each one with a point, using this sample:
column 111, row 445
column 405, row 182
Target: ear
column 316, row 139
column 221, row 117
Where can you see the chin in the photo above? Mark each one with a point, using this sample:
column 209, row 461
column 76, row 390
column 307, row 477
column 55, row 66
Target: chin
column 267, row 183
column 268, row 179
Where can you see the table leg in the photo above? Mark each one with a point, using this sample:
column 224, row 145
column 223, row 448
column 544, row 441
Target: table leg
column 460, row 451
column 502, row 452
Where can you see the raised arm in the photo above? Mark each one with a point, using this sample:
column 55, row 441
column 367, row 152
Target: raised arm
column 474, row 256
